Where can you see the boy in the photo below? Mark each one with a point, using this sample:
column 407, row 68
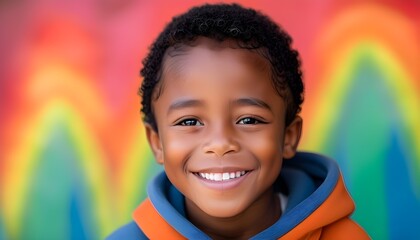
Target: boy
column 221, row 94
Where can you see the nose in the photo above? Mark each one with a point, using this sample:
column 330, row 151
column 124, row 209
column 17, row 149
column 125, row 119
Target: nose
column 220, row 141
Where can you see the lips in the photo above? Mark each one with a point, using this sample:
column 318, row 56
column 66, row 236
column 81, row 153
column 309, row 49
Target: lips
column 224, row 176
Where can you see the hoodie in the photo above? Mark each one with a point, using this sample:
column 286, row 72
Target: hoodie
column 318, row 207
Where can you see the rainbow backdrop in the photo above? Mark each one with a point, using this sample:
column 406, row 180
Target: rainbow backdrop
column 74, row 161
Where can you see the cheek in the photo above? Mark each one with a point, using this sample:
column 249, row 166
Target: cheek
column 267, row 147
column 177, row 148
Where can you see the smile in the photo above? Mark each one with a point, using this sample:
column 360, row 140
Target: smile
column 222, row 176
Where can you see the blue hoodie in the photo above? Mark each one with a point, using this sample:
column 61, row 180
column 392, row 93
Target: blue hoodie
column 318, row 207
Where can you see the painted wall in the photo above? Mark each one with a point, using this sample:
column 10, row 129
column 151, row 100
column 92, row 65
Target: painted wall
column 73, row 158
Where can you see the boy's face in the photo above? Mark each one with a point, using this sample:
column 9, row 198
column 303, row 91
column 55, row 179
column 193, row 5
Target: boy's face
column 221, row 128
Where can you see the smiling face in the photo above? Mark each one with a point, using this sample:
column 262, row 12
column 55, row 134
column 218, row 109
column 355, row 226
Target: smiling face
column 221, row 129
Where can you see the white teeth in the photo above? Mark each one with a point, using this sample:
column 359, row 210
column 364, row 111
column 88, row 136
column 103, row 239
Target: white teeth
column 222, row 176
column 217, row 177
column 226, row 176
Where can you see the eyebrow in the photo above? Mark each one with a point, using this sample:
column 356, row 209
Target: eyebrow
column 184, row 103
column 252, row 102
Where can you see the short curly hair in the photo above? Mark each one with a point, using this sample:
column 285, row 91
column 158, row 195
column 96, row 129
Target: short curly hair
column 248, row 28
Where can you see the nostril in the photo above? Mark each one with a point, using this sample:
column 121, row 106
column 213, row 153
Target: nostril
column 221, row 149
column 220, row 139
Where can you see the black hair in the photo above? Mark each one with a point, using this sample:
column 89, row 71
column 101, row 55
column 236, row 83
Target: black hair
column 248, row 28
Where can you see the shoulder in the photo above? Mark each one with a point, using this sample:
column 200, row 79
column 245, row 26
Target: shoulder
column 128, row 231
column 344, row 229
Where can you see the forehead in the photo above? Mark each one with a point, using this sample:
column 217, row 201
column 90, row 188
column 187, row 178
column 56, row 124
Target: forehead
column 216, row 73
column 204, row 54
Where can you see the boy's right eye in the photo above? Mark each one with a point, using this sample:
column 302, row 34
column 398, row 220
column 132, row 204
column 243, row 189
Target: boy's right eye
column 189, row 122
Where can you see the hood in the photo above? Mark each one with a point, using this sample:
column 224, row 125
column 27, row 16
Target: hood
column 312, row 183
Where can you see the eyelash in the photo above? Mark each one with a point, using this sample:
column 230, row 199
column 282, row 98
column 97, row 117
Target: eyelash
column 185, row 122
column 195, row 122
column 254, row 121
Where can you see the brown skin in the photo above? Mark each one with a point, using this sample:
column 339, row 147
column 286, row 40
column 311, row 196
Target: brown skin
column 218, row 112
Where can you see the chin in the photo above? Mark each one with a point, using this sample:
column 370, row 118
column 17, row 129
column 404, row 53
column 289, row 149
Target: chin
column 223, row 210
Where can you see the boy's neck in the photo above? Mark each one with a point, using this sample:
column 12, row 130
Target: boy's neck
column 262, row 214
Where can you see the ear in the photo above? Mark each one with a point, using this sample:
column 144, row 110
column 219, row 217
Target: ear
column 155, row 143
column 291, row 137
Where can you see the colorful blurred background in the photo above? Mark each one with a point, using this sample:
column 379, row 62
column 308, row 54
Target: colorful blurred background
column 73, row 157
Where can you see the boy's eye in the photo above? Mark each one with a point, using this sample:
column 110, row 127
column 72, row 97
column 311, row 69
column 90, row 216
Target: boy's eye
column 190, row 122
column 249, row 120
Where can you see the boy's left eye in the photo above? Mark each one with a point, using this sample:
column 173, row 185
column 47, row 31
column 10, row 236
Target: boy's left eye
column 249, row 120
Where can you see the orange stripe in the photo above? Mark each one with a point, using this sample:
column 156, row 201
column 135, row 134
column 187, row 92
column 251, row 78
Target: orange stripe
column 152, row 224
column 336, row 205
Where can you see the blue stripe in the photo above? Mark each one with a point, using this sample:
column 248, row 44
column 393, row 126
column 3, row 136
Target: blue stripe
column 318, row 167
column 159, row 191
